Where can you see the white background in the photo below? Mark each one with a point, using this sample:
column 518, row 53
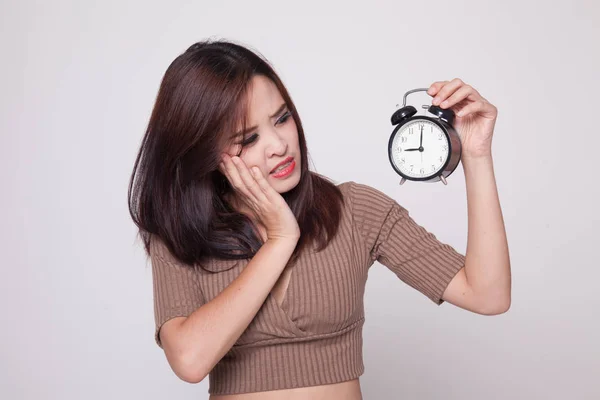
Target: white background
column 78, row 82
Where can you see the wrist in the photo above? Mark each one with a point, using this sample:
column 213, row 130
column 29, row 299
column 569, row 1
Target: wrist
column 286, row 240
column 485, row 156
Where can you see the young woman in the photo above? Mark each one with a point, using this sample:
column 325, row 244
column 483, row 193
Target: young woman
column 259, row 264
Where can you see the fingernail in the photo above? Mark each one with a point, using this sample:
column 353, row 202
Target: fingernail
column 436, row 101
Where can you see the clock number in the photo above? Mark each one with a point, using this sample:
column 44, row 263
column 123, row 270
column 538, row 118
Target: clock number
column 432, row 167
column 440, row 136
column 410, row 130
column 411, row 167
column 441, row 159
column 422, row 171
column 445, row 147
column 402, row 160
column 404, row 139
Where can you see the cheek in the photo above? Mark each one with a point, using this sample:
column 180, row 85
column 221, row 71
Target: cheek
column 292, row 133
column 251, row 160
column 234, row 150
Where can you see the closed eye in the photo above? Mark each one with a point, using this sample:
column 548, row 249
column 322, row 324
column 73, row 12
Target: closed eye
column 284, row 117
column 252, row 138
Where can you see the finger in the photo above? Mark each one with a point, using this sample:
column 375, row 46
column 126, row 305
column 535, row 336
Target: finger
column 249, row 180
column 447, row 90
column 461, row 94
column 234, row 176
column 475, row 107
column 223, row 170
column 267, row 189
column 226, row 171
column 241, row 176
column 435, row 87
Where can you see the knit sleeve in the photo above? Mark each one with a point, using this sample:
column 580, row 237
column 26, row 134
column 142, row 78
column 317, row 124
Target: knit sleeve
column 395, row 240
column 176, row 289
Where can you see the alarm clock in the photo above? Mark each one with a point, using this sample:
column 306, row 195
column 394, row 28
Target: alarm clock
column 424, row 148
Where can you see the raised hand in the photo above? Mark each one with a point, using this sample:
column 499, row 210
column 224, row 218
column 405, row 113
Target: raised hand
column 259, row 197
column 475, row 116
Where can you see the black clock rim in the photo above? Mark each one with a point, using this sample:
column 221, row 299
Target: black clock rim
column 450, row 149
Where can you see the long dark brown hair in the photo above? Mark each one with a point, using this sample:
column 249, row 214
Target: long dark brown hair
column 176, row 191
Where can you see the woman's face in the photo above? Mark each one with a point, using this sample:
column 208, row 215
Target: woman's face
column 271, row 137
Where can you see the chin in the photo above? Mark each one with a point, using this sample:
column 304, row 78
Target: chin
column 287, row 184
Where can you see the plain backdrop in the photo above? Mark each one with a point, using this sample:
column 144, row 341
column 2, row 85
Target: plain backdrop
column 78, row 82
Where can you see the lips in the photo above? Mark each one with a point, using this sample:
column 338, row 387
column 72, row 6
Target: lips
column 287, row 160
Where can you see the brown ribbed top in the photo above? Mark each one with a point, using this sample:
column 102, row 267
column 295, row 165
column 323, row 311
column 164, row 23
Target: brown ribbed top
column 315, row 336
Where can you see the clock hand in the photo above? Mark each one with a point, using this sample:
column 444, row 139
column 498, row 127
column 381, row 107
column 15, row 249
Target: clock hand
column 420, row 148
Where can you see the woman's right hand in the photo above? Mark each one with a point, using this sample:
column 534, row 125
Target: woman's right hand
column 260, row 198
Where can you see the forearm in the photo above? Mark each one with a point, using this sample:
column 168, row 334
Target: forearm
column 210, row 331
column 487, row 265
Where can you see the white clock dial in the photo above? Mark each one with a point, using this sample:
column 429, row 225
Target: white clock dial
column 406, row 149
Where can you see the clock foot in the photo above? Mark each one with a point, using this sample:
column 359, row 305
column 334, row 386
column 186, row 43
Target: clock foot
column 402, row 181
column 443, row 180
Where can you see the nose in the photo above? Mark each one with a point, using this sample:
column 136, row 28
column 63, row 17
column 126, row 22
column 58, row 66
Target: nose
column 277, row 145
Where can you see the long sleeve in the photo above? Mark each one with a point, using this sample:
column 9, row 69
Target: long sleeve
column 395, row 240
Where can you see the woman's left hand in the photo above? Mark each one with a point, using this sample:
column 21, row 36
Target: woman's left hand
column 475, row 116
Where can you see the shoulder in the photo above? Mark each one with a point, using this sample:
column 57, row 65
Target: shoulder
column 160, row 252
column 159, row 249
column 362, row 194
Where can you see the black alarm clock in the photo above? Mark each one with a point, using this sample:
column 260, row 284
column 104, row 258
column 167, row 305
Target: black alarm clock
column 424, row 148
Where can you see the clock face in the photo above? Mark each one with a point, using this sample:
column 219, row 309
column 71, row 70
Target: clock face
column 420, row 149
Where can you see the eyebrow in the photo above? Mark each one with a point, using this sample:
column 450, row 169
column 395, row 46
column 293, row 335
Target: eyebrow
column 248, row 130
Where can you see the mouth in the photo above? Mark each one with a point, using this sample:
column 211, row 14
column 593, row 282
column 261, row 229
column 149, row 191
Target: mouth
column 283, row 164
